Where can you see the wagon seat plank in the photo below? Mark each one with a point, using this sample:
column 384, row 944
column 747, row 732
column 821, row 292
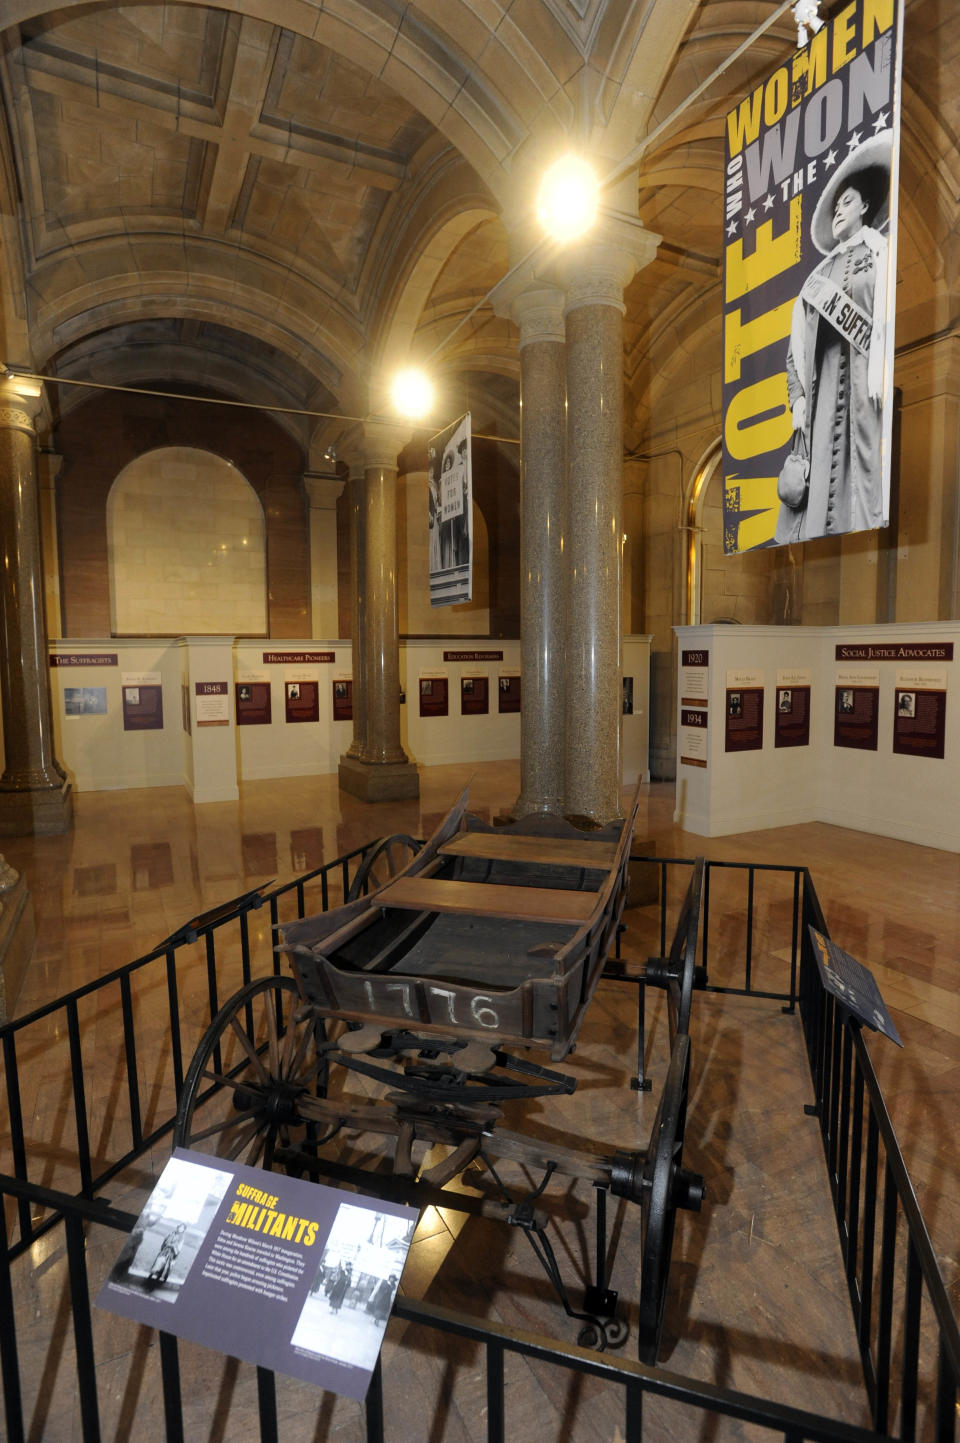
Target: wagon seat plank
column 538, row 904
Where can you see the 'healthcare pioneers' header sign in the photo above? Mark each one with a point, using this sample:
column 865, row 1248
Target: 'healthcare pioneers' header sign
column 810, row 191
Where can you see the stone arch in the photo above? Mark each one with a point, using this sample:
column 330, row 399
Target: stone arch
column 186, row 545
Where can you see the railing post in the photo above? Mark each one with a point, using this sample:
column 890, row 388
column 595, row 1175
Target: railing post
column 9, row 1360
column 496, row 1415
column 82, row 1329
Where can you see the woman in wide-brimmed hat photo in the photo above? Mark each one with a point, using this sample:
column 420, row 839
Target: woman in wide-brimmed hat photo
column 836, row 359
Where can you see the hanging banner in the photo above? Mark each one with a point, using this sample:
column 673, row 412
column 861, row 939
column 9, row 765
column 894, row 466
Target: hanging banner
column 810, row 192
column 450, row 515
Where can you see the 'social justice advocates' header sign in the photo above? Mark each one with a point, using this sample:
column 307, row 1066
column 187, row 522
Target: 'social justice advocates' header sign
column 810, row 192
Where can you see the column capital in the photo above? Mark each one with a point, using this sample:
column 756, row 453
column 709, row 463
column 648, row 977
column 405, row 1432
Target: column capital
column 382, row 443
column 322, row 492
column 21, row 400
column 536, row 307
column 595, row 270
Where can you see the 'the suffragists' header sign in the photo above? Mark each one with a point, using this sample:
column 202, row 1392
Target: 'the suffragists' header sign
column 810, row 193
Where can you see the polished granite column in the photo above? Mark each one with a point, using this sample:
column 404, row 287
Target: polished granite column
column 35, row 796
column 594, row 275
column 358, row 608
column 381, row 772
column 538, row 311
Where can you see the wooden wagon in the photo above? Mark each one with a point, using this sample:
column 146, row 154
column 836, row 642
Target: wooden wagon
column 396, row 1023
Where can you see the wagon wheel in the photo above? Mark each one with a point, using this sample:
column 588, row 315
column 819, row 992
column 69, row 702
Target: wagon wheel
column 262, row 1051
column 384, row 860
column 680, row 995
column 666, row 1186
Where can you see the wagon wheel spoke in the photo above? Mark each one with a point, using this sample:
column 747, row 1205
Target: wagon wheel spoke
column 249, row 1048
column 384, row 860
column 240, row 1093
column 198, row 1134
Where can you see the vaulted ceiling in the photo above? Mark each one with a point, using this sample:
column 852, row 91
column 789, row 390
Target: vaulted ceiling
column 272, row 198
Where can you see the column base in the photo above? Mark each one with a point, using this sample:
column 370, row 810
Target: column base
column 378, row 781
column 17, row 933
column 36, row 811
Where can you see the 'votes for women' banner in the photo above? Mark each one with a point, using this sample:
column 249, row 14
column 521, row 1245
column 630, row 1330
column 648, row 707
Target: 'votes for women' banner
column 810, row 192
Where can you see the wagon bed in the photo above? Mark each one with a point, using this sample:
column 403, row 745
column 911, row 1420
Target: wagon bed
column 495, row 933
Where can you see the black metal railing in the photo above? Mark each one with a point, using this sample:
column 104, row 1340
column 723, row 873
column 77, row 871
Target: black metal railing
column 60, row 1137
column 82, row 1219
column 908, row 1336
column 907, row 1333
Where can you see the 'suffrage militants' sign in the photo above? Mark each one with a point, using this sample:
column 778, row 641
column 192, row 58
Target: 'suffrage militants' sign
column 810, row 192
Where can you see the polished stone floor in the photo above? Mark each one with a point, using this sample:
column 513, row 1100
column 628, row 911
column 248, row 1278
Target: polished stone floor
column 757, row 1299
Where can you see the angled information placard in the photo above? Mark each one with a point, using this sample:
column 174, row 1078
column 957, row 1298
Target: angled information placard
column 291, row 1275
column 852, row 984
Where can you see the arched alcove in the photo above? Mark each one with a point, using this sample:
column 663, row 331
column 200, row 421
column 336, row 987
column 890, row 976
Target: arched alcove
column 186, row 547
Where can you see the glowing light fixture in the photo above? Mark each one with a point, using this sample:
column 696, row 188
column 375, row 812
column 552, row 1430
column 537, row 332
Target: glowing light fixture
column 411, row 394
column 568, row 198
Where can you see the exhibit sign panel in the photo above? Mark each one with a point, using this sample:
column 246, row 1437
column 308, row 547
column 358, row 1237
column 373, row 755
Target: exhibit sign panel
column 291, row 1275
column 810, row 240
column 450, row 486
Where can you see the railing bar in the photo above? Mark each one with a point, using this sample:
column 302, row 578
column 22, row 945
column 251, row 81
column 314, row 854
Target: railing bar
column 267, row 1405
column 795, row 939
column 9, row 1357
column 911, row 1346
column 663, row 909
column 79, row 1098
column 748, row 961
column 82, row 1329
column 833, row 1110
column 172, row 1394
column 843, row 1141
column 948, row 1383
column 856, row 1159
column 496, row 1402
column 130, row 1057
column 869, row 1235
column 634, row 1412
column 373, row 1406
column 17, row 1142
column 743, row 992
column 245, row 948
column 706, row 919
column 174, row 1006
column 888, row 1246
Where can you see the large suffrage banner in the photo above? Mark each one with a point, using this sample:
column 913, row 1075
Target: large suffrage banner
column 810, row 195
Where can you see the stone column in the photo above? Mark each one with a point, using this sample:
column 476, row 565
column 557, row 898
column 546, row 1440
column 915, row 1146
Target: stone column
column 538, row 312
column 358, row 608
column 323, row 493
column 35, row 796
column 382, row 772
column 594, row 275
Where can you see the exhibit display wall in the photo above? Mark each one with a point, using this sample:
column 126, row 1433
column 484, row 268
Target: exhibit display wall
column 208, row 712
column 850, row 725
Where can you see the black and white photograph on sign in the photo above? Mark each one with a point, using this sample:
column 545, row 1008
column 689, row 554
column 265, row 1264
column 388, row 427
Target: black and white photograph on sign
column 346, row 1310
column 450, row 484
column 906, row 703
column 160, row 1250
column 810, row 222
column 785, row 699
